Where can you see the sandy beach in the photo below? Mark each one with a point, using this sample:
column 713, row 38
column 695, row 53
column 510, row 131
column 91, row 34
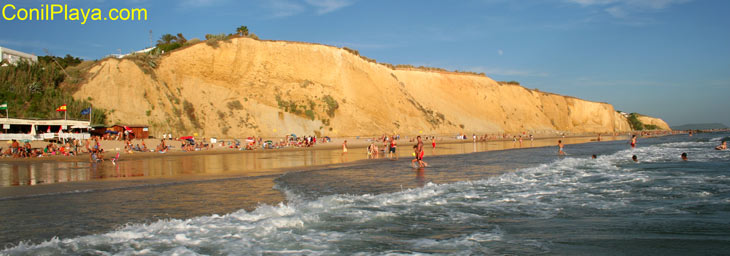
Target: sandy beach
column 112, row 147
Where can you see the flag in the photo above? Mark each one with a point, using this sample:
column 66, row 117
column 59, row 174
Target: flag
column 62, row 108
column 4, row 106
column 86, row 111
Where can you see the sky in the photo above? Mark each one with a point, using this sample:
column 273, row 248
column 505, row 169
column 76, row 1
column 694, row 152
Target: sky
column 663, row 58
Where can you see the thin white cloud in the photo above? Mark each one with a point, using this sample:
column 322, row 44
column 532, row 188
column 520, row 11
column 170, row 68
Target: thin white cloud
column 327, row 6
column 623, row 9
column 500, row 52
column 198, row 3
column 284, row 8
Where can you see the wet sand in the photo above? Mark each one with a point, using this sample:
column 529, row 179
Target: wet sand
column 212, row 164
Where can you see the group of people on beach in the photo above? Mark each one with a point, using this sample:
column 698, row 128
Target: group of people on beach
column 390, row 146
column 60, row 148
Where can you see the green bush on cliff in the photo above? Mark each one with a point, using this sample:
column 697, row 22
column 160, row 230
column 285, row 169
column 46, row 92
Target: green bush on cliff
column 331, row 104
column 33, row 90
column 634, row 122
column 651, row 127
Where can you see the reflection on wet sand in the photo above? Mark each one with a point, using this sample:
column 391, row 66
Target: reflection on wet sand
column 242, row 164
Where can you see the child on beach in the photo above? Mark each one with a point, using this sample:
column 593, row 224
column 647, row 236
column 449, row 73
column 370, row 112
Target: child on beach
column 415, row 154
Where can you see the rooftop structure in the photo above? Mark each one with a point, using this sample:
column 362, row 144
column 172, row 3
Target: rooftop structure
column 12, row 56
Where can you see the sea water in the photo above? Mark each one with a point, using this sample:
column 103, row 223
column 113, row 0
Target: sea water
column 525, row 201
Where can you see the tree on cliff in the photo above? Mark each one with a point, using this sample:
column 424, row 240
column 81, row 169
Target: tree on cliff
column 180, row 38
column 166, row 39
column 242, row 31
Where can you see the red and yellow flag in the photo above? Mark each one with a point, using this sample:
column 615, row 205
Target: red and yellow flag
column 62, row 108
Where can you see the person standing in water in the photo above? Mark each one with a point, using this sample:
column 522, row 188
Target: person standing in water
column 433, row 142
column 560, row 148
column 344, row 147
column 393, row 146
column 419, row 155
column 633, row 141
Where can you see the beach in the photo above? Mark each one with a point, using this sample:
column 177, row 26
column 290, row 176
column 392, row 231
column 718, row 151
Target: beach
column 514, row 201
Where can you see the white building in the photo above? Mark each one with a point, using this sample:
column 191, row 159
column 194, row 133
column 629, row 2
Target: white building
column 13, row 56
column 119, row 56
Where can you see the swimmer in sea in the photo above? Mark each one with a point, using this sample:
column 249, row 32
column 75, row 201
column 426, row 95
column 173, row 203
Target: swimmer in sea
column 633, row 141
column 722, row 146
column 684, row 156
column 593, row 157
column 636, row 159
column 560, row 148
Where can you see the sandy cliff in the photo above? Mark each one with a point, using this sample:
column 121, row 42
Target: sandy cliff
column 247, row 87
column 647, row 120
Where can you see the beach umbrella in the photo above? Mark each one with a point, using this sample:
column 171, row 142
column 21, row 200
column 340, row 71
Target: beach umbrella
column 32, row 130
column 186, row 137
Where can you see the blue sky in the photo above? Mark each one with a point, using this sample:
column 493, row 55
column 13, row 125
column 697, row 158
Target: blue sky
column 665, row 58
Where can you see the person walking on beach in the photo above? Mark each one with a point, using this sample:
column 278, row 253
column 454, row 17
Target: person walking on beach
column 560, row 148
column 393, row 146
column 633, row 141
column 433, row 142
column 370, row 150
column 419, row 154
column 344, row 147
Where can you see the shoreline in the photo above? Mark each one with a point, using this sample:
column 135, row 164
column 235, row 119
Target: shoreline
column 113, row 147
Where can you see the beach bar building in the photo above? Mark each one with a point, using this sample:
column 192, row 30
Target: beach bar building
column 138, row 131
column 13, row 56
column 43, row 129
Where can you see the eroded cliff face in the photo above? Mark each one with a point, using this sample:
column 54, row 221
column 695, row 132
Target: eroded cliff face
column 247, row 87
column 647, row 120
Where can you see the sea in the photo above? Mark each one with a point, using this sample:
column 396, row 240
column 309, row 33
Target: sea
column 520, row 201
